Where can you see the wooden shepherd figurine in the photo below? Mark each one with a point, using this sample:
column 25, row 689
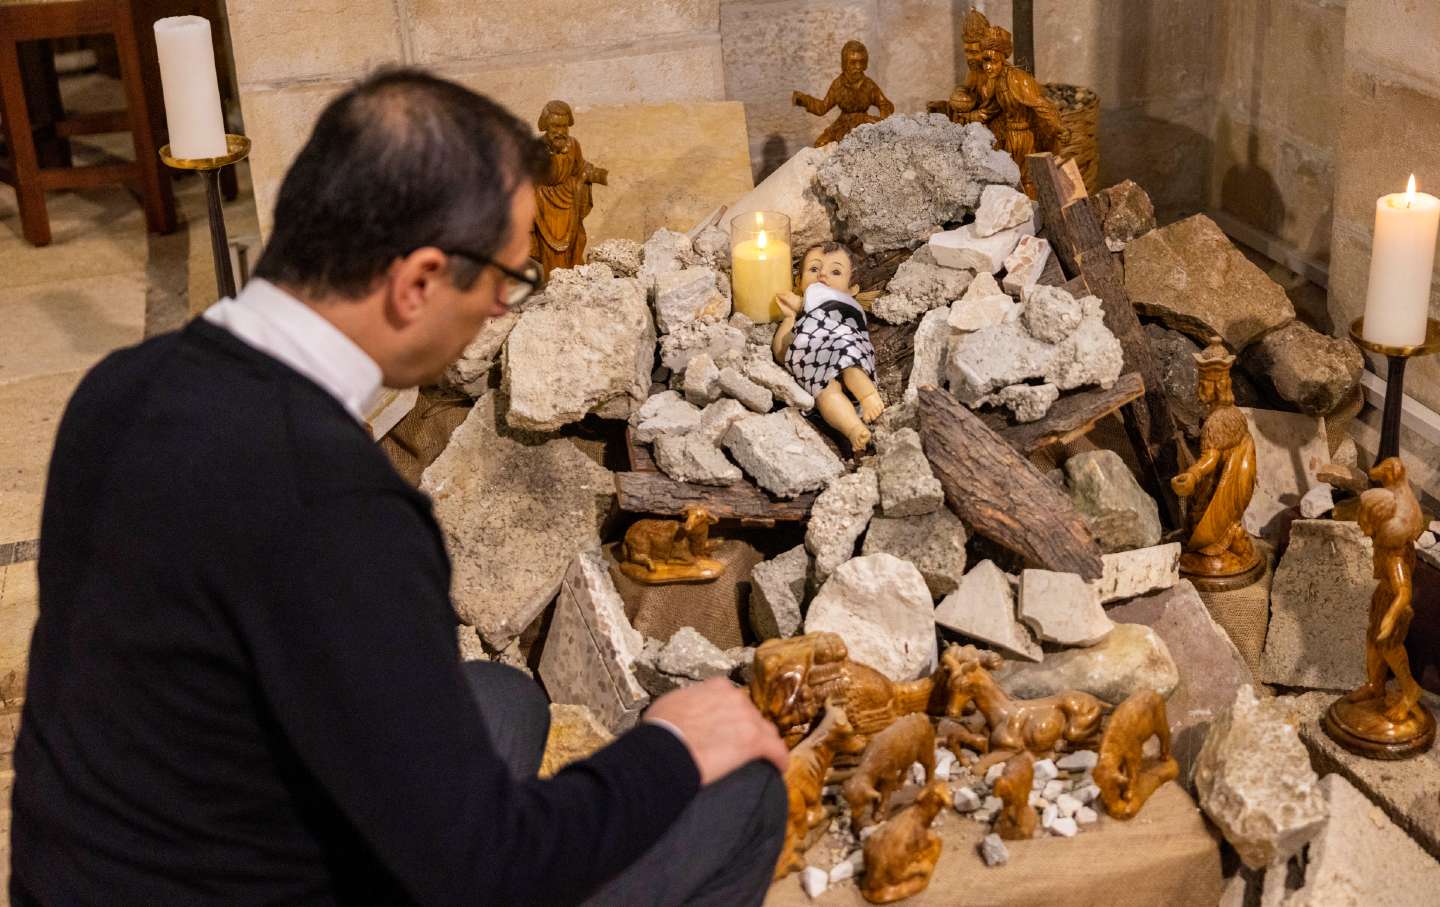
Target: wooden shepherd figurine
column 562, row 196
column 852, row 91
column 1027, row 122
column 1370, row 720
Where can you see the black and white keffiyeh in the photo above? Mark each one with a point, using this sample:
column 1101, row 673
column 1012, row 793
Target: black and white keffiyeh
column 830, row 336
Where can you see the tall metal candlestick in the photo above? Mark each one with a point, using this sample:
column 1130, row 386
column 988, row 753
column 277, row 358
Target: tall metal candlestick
column 209, row 170
column 1396, row 357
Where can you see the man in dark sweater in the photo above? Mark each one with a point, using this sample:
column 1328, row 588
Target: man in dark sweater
column 244, row 685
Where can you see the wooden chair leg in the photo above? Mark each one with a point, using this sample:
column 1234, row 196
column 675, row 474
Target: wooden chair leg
column 155, row 189
column 34, row 221
column 42, row 88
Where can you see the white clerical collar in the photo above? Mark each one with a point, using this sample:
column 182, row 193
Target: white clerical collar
column 276, row 323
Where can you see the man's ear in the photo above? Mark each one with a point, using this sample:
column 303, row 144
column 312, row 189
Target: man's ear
column 412, row 281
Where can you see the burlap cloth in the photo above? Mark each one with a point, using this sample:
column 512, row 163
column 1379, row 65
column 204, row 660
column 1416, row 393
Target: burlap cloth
column 1244, row 613
column 717, row 609
column 418, row 439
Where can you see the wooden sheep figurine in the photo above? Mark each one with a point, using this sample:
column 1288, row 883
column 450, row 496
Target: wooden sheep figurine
column 1124, row 778
column 805, row 780
column 1017, row 818
column 900, row 855
column 883, row 768
column 667, row 551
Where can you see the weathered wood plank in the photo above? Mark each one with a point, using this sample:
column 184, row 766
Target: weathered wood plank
column 655, row 492
column 1073, row 415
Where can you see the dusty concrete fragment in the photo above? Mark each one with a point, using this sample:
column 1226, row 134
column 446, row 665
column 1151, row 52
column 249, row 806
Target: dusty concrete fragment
column 1028, row 402
column 791, row 191
column 722, row 342
column 1120, row 513
column 665, row 251
column 964, row 248
column 688, row 654
column 471, row 371
column 1025, row 264
column 782, row 453
column 1002, row 208
column 712, row 246
column 984, row 305
column 931, row 339
column 693, row 458
column 685, row 295
column 717, row 418
column 880, row 606
column 760, row 367
column 735, row 385
column 1255, row 782
column 1051, row 314
column 840, row 515
column 1062, row 608
column 665, row 413
column 702, row 380
column 1128, row 214
column 1191, row 277
column 1315, row 372
column 933, row 542
column 514, row 511
column 908, row 486
column 468, row 639
column 1137, row 572
column 1290, row 449
column 575, row 734
column 1130, row 658
column 622, row 256
column 1317, row 502
column 919, row 285
column 1319, row 603
column 777, row 592
column 983, row 608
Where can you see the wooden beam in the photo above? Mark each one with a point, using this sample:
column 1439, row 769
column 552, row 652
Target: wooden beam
column 654, row 492
column 999, row 494
column 1073, row 415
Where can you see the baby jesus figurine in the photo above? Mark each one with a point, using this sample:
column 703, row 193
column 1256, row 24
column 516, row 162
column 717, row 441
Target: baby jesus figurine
column 824, row 343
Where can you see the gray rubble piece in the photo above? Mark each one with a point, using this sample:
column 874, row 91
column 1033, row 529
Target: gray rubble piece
column 984, row 305
column 716, row 419
column 932, row 338
column 993, row 850
column 1024, row 265
column 1319, row 602
column 589, row 347
column 782, row 453
column 1131, row 658
column 933, row 542
column 1316, row 372
column 1051, row 314
column 964, row 248
column 735, row 385
column 1193, row 279
column 665, row 413
column 470, row 373
column 719, row 339
column 791, row 191
column 647, row 671
column 712, row 246
column 1028, row 402
column 908, row 486
column 880, row 606
column 1254, row 781
column 696, row 459
column 1000, row 208
column 665, row 251
column 468, row 639
column 777, row 594
column 514, row 509
column 760, row 367
column 893, row 182
column 919, row 285
column 814, row 881
column 1128, row 214
column 591, row 649
column 1143, row 570
column 689, row 654
column 1105, row 492
column 1078, row 761
column 702, row 380
column 685, row 295
column 1290, row 449
column 1317, row 502
column 840, row 514
column 622, row 256
column 1062, row 608
column 983, row 608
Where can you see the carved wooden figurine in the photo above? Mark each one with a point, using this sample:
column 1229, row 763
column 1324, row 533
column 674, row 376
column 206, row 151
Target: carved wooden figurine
column 1027, row 121
column 805, row 779
column 1369, row 720
column 852, row 91
column 886, row 764
column 671, row 551
column 562, row 194
column 1218, row 550
column 1017, row 816
column 1125, row 777
column 901, row 855
column 974, row 101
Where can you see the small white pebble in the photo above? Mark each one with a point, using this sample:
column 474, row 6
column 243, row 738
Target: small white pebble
column 842, row 871
column 1053, row 789
column 1435, row 527
column 1068, row 805
column 1078, row 761
column 1050, row 816
column 984, row 815
column 992, row 802
column 1426, row 540
column 993, row 851
column 1045, row 770
column 1087, row 794
column 814, row 880
column 1036, row 799
column 942, row 771
column 917, row 773
column 867, row 831
column 994, row 772
column 1065, row 828
column 1037, row 784
column 1086, row 816
column 966, row 800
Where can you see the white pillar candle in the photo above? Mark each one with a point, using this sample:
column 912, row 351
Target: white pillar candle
column 1402, row 261
column 192, row 93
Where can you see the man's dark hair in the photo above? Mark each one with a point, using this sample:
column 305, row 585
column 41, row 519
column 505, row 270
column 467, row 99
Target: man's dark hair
column 400, row 161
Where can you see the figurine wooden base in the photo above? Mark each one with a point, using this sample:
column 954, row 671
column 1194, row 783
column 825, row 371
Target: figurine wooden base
column 1363, row 729
column 703, row 570
column 1208, row 576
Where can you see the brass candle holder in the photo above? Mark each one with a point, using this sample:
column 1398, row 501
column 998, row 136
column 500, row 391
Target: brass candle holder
column 237, row 148
column 1397, row 357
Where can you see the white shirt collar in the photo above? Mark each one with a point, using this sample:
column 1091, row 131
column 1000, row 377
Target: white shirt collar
column 276, row 323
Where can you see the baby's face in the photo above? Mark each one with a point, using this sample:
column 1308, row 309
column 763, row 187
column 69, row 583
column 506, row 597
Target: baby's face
column 830, row 268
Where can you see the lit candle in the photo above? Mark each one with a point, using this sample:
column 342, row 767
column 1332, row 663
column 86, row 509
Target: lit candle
column 192, row 93
column 1401, row 263
column 760, row 264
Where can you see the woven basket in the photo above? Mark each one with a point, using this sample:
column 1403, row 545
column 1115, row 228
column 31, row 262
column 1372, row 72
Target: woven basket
column 1080, row 112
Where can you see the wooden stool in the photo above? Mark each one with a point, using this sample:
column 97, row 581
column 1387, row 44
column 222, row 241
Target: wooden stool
column 31, row 21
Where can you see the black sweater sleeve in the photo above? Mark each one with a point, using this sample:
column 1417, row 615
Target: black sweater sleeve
column 356, row 656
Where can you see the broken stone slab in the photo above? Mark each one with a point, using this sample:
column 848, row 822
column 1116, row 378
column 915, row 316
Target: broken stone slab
column 1104, row 490
column 588, row 347
column 1317, row 502
column 933, row 542
column 1061, row 608
column 881, row 607
column 1138, row 572
column 1025, row 264
column 1131, row 658
column 984, row 305
column 685, row 295
column 1209, row 667
column 931, row 339
column 514, row 510
column 777, row 594
column 791, row 191
column 983, row 608
column 893, row 182
column 1127, row 215
column 762, row 369
column 908, row 486
column 782, row 453
column 470, row 373
column 1315, row 372
column 712, row 246
column 1191, row 277
column 735, row 385
column 689, row 654
column 702, row 380
column 840, row 514
column 919, row 285
column 692, row 458
column 665, row 413
column 590, row 651
column 716, row 419
column 1028, row 402
column 1290, row 449
column 1002, row 208
column 622, row 256
column 1174, row 355
column 718, row 339
column 963, row 248
column 1254, row 781
column 666, row 251
column 1319, row 603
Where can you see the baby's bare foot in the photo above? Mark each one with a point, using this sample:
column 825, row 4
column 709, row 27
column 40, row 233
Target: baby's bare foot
column 859, row 438
column 871, row 406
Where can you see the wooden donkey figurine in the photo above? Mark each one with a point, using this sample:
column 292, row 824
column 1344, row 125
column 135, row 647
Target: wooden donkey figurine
column 805, row 780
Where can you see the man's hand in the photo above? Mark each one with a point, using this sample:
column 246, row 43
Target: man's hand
column 721, row 727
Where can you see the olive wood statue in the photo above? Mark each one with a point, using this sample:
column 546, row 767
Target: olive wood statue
column 805, row 780
column 1369, row 720
column 900, row 856
column 1027, row 121
column 562, row 193
column 671, row 551
column 1017, row 816
column 1125, row 777
column 852, row 91
column 884, row 766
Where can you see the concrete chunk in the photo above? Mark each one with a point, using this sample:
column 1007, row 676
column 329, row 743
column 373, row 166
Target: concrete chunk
column 665, row 413
column 1062, row 608
column 777, row 592
column 983, row 608
column 839, row 516
column 1002, row 208
column 735, row 385
column 933, row 542
column 1131, row 573
column 1131, row 658
column 782, row 453
column 908, row 486
column 880, row 606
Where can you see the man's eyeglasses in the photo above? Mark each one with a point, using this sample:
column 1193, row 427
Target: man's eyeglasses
column 519, row 285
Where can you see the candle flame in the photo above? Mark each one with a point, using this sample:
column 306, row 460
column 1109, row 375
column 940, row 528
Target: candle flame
column 1410, row 192
column 760, row 240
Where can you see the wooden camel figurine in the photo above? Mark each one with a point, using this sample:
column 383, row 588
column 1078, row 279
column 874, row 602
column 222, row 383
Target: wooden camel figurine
column 805, row 780
column 883, row 768
column 901, row 854
column 1036, row 725
column 1124, row 778
column 1017, row 817
column 667, row 551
